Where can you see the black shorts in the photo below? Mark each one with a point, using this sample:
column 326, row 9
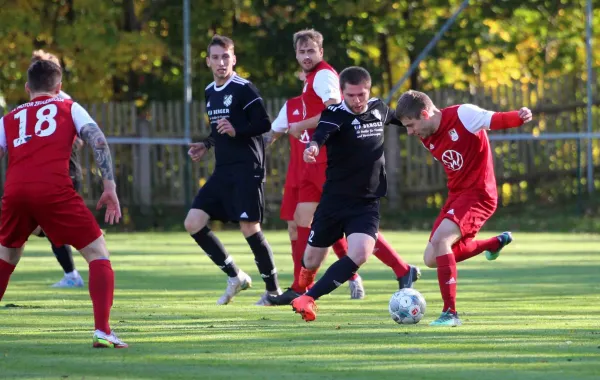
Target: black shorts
column 337, row 216
column 232, row 199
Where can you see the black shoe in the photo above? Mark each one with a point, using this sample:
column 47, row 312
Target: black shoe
column 285, row 298
column 408, row 279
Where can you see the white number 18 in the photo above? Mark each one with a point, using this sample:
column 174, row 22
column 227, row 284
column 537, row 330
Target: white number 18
column 45, row 114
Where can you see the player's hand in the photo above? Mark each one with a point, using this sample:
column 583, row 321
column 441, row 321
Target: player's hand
column 224, row 126
column 111, row 201
column 78, row 143
column 295, row 130
column 311, row 153
column 301, row 75
column 525, row 114
column 197, row 151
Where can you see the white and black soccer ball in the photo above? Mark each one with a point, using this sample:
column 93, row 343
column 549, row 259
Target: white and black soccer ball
column 407, row 306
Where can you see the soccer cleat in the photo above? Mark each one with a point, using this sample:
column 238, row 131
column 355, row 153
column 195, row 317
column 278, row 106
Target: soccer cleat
column 265, row 299
column 447, row 318
column 104, row 340
column 234, row 286
column 505, row 239
column 406, row 281
column 71, row 280
column 357, row 290
column 285, row 298
column 306, row 307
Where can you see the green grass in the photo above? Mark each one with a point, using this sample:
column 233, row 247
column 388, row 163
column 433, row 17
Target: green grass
column 532, row 314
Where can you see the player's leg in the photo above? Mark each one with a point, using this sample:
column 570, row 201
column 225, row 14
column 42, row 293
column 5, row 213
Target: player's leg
column 101, row 287
column 438, row 254
column 206, row 205
column 478, row 212
column 67, row 220
column 325, row 230
column 360, row 222
column 16, row 225
column 405, row 274
column 263, row 256
column 355, row 283
column 9, row 258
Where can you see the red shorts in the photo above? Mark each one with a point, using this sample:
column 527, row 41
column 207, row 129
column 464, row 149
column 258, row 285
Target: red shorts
column 468, row 210
column 60, row 211
column 289, row 203
column 311, row 183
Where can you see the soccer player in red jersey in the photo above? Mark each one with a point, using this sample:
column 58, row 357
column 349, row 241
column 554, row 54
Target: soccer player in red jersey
column 38, row 137
column 321, row 89
column 457, row 137
column 64, row 254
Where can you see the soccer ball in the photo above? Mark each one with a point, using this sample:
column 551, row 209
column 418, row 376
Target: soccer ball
column 407, row 306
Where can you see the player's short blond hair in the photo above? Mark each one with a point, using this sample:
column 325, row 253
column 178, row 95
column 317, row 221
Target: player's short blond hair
column 42, row 55
column 411, row 103
column 308, row 35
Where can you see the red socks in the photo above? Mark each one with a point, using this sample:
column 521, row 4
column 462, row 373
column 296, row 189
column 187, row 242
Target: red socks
column 387, row 255
column 464, row 250
column 102, row 286
column 301, row 242
column 6, row 270
column 447, row 277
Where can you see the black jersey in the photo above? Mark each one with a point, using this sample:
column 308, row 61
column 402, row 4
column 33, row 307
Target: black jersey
column 238, row 101
column 355, row 154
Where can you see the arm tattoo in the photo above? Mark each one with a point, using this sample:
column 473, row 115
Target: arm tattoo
column 93, row 136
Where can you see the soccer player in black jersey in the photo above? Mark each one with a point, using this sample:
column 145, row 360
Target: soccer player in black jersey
column 235, row 190
column 353, row 133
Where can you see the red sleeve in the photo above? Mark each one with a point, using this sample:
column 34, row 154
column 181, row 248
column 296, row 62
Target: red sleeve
column 505, row 120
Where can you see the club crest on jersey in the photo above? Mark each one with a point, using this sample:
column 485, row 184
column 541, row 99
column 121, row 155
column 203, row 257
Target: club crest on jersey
column 431, row 146
column 304, row 138
column 377, row 114
column 452, row 160
column 227, row 100
column 453, row 134
column 356, row 124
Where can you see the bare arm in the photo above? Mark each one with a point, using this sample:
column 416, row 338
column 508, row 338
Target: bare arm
column 270, row 137
column 311, row 123
column 94, row 137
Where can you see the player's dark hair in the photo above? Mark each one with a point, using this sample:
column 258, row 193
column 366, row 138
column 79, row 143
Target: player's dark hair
column 354, row 75
column 411, row 103
column 222, row 41
column 308, row 35
column 43, row 76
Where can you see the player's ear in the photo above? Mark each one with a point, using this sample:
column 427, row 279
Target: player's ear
column 27, row 88
column 58, row 88
column 207, row 61
column 424, row 115
column 233, row 60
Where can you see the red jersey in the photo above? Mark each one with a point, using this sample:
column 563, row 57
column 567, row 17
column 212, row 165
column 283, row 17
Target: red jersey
column 461, row 144
column 320, row 85
column 38, row 137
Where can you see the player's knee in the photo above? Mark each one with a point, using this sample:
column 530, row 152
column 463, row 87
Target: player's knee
column 96, row 250
column 429, row 256
column 303, row 218
column 249, row 228
column 193, row 224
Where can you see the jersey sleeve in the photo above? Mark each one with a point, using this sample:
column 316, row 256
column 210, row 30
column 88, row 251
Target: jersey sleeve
column 474, row 118
column 80, row 117
column 327, row 86
column 390, row 116
column 2, row 135
column 280, row 124
column 256, row 114
column 328, row 126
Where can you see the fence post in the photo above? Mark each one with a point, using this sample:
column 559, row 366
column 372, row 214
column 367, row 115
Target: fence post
column 144, row 182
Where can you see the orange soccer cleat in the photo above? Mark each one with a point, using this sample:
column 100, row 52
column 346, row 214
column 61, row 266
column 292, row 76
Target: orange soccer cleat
column 306, row 278
column 305, row 306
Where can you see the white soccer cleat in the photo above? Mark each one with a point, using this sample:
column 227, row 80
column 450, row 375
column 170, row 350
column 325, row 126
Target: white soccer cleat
column 71, row 280
column 357, row 290
column 234, row 286
column 265, row 300
column 104, row 340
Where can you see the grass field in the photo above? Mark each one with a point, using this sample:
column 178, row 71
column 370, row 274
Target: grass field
column 532, row 314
